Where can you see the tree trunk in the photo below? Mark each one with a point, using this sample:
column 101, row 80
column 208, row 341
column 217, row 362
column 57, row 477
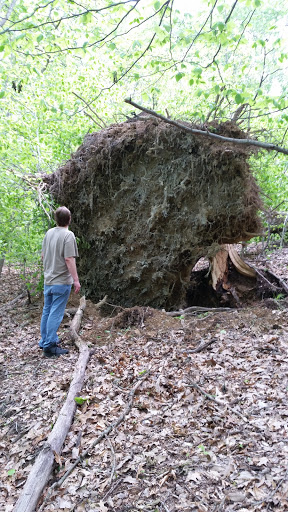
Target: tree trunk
column 1, row 264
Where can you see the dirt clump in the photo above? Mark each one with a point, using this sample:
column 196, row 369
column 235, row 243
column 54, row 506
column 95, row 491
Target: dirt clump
column 147, row 201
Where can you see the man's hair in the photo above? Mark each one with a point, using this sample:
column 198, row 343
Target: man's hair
column 62, row 216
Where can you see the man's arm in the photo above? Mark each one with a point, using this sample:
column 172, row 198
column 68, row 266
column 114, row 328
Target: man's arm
column 71, row 265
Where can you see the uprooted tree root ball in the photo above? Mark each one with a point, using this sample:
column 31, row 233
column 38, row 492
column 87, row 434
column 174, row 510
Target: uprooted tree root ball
column 148, row 200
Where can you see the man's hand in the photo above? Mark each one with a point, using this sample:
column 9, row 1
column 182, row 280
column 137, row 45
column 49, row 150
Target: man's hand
column 77, row 286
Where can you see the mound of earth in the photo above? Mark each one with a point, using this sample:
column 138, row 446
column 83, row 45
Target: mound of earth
column 148, row 200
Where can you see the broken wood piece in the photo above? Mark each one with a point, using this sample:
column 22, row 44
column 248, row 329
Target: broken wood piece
column 219, row 268
column 241, row 266
column 41, row 471
column 70, row 311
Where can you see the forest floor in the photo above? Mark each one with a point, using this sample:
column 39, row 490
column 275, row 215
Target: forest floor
column 207, row 430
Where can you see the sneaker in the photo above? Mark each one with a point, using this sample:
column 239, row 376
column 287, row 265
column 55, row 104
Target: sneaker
column 55, row 352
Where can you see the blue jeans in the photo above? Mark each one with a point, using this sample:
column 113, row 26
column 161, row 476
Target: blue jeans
column 55, row 300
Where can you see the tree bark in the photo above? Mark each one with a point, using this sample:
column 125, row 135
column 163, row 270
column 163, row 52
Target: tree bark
column 1, row 264
column 42, row 468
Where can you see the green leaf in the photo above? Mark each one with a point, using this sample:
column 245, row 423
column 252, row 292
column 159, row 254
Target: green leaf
column 2, row 94
column 39, row 38
column 238, row 99
column 145, row 96
column 112, row 46
column 220, row 26
column 79, row 400
column 86, row 18
column 11, row 472
column 2, row 48
column 157, row 5
column 179, row 76
column 257, row 3
column 197, row 71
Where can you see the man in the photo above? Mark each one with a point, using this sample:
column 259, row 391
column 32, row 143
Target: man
column 59, row 250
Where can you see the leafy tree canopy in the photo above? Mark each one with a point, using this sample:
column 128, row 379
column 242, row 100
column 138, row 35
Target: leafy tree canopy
column 66, row 68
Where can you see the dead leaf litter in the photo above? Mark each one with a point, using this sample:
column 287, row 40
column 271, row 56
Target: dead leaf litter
column 207, row 431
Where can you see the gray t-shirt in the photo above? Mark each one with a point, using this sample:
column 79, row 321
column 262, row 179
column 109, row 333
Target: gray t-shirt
column 58, row 244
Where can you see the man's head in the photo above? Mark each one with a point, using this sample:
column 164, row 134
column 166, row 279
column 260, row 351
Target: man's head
column 62, row 216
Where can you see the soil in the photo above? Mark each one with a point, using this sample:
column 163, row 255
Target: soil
column 208, row 427
column 148, row 200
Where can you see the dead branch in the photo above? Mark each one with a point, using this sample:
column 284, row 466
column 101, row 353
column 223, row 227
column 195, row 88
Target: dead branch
column 223, row 404
column 271, row 285
column 196, row 309
column 113, row 460
column 145, row 51
column 98, row 440
column 247, row 142
column 92, row 119
column 270, row 496
column 35, row 483
column 102, row 125
column 164, row 506
column 12, row 302
column 280, row 281
column 200, row 348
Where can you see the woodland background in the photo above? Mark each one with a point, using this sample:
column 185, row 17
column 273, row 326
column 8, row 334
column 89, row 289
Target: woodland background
column 66, row 68
column 207, row 429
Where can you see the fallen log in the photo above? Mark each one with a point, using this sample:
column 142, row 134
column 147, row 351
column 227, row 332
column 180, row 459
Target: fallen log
column 98, row 440
column 42, row 468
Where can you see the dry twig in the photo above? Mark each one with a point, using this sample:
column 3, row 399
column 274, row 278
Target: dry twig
column 199, row 348
column 210, row 397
